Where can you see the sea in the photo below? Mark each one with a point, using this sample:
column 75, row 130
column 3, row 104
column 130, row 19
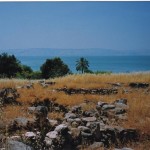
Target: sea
column 115, row 64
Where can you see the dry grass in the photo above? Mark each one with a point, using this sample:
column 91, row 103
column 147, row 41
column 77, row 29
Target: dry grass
column 12, row 112
column 138, row 99
column 99, row 81
column 55, row 115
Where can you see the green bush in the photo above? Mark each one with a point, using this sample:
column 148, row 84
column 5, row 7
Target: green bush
column 54, row 68
column 36, row 75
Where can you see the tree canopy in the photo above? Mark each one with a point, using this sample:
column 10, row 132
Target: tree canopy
column 82, row 65
column 54, row 68
column 9, row 65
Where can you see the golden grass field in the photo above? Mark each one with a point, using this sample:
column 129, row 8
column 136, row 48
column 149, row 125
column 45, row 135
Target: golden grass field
column 138, row 99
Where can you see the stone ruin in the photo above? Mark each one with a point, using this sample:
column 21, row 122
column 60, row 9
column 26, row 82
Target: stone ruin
column 78, row 129
column 99, row 91
column 138, row 85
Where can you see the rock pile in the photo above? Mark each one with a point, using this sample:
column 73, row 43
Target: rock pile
column 29, row 85
column 138, row 85
column 46, row 84
column 8, row 96
column 91, row 129
column 99, row 91
column 50, row 104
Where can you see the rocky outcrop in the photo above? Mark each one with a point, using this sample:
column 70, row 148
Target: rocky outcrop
column 49, row 103
column 99, row 91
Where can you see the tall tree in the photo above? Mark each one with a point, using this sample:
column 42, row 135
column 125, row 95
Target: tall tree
column 82, row 64
column 54, row 68
column 9, row 65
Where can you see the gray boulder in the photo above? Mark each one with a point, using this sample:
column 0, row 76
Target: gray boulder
column 15, row 145
column 21, row 121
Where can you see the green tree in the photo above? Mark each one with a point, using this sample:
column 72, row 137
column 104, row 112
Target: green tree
column 82, row 65
column 36, row 75
column 9, row 65
column 26, row 72
column 54, row 68
column 26, row 68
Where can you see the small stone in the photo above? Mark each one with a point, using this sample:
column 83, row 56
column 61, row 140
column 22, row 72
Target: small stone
column 77, row 120
column 52, row 134
column 101, row 103
column 74, row 124
column 86, row 135
column 48, row 141
column 70, row 116
column 84, row 129
column 61, row 128
column 96, row 145
column 31, row 109
column 121, row 105
column 89, row 119
column 123, row 101
column 108, row 106
column 53, row 122
column 30, row 134
column 70, row 120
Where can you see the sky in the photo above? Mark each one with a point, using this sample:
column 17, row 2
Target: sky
column 108, row 25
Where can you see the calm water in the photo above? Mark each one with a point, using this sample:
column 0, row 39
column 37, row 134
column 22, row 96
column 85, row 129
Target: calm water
column 115, row 64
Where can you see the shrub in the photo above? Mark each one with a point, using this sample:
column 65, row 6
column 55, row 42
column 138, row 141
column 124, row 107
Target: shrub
column 54, row 68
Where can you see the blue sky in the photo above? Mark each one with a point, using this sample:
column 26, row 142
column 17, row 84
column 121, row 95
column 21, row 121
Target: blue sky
column 110, row 25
